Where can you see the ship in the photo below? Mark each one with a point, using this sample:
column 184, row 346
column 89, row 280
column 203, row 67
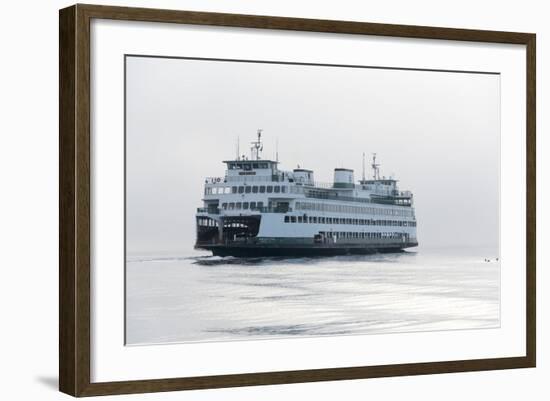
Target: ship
column 257, row 209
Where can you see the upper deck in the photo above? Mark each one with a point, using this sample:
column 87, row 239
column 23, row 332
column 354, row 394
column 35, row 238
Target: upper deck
column 252, row 178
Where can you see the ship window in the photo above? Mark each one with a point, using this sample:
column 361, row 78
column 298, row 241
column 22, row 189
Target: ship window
column 310, row 219
column 322, row 220
column 300, row 220
column 269, row 189
column 255, row 165
column 234, row 190
column 255, row 189
column 245, row 205
column 260, row 205
column 238, row 205
column 241, row 190
column 329, row 220
column 293, row 219
column 263, row 165
column 262, row 189
column 247, row 189
column 315, row 219
column 224, row 206
column 232, row 206
column 287, row 219
column 277, row 189
column 252, row 205
column 283, row 189
column 247, row 166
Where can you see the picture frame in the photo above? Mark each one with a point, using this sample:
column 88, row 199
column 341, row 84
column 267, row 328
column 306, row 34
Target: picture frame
column 75, row 198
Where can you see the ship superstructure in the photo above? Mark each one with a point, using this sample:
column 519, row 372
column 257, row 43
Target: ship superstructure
column 256, row 209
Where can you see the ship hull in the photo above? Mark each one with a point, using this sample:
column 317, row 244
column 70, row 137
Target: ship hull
column 300, row 250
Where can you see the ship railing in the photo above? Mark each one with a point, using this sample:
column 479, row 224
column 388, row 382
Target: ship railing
column 208, row 210
column 312, row 193
column 279, row 209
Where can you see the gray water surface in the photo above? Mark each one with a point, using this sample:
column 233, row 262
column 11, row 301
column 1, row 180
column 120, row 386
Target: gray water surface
column 197, row 297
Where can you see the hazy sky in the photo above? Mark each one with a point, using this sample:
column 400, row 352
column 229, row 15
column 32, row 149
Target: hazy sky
column 438, row 133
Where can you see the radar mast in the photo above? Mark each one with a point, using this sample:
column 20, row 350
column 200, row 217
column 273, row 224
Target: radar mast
column 257, row 147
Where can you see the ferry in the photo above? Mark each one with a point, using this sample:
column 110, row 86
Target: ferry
column 256, row 210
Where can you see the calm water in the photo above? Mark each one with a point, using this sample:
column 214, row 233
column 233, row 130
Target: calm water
column 197, row 297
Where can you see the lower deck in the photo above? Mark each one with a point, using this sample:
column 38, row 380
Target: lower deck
column 257, row 235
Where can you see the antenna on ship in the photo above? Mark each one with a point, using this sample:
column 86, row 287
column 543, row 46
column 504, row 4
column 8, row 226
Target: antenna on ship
column 375, row 166
column 363, row 166
column 238, row 151
column 277, row 150
column 257, row 146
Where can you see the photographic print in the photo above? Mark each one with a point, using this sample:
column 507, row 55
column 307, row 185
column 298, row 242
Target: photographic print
column 268, row 200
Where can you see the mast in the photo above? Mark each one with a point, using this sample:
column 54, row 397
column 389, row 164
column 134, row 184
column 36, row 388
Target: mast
column 257, row 147
column 376, row 173
column 363, row 167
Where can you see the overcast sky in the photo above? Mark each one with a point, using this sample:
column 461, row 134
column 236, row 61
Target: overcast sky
column 438, row 133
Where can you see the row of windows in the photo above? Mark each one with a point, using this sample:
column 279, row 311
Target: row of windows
column 247, row 166
column 338, row 208
column 207, row 222
column 242, row 205
column 254, row 189
column 363, row 235
column 340, row 220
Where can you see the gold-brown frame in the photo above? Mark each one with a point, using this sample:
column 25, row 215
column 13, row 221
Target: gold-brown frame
column 74, row 199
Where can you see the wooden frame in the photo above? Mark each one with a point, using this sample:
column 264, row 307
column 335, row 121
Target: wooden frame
column 74, row 200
